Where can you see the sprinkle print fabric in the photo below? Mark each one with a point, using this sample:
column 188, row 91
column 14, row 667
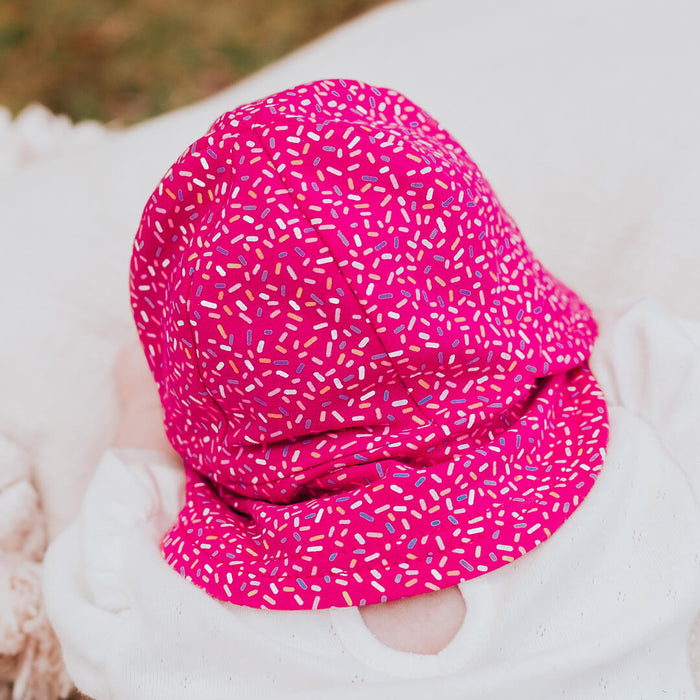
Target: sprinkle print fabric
column 376, row 389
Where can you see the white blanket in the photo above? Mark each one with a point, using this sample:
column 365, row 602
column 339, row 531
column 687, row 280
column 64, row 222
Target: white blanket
column 583, row 117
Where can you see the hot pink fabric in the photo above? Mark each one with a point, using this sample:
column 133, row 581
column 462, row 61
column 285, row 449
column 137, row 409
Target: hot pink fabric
column 375, row 387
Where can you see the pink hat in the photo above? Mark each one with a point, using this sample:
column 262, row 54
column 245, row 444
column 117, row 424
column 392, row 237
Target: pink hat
column 376, row 389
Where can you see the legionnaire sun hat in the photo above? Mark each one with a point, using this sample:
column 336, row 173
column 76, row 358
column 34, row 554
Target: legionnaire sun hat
column 376, row 388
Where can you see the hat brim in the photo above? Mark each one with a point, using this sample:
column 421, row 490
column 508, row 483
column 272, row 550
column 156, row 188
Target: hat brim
column 415, row 528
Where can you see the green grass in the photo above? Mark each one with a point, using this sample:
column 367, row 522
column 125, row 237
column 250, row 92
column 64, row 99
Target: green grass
column 125, row 60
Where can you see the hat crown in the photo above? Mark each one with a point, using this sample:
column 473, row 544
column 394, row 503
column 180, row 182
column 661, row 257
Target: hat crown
column 337, row 265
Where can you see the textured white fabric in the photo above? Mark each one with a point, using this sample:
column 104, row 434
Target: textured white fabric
column 582, row 115
column 602, row 609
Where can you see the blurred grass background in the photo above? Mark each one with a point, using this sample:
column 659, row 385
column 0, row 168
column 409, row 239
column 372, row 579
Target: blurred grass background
column 122, row 61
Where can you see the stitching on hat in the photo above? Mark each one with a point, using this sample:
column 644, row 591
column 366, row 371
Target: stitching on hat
column 195, row 346
column 340, row 271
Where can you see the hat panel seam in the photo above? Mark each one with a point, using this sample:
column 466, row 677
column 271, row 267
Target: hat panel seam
column 425, row 142
column 171, row 283
column 228, row 150
column 230, row 448
column 456, row 158
column 302, row 211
